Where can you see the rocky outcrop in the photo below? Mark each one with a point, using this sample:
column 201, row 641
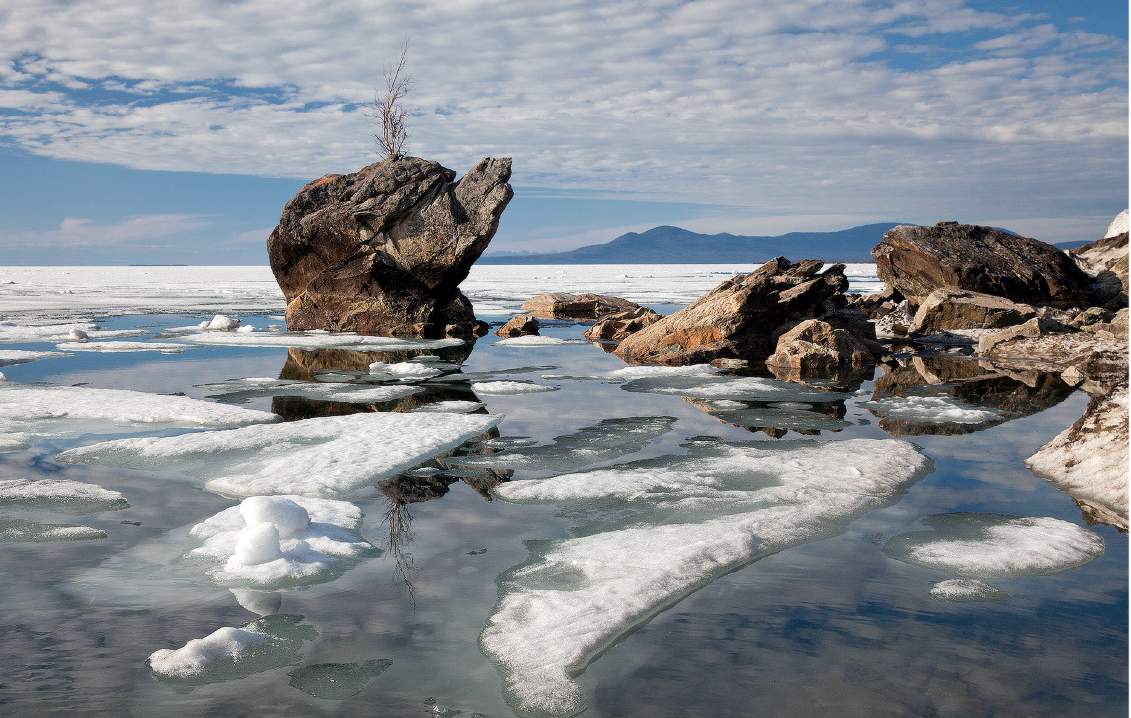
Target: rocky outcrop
column 383, row 250
column 1092, row 360
column 815, row 346
column 520, row 325
column 1105, row 261
column 915, row 261
column 1089, row 459
column 615, row 327
column 950, row 309
column 585, row 307
column 738, row 319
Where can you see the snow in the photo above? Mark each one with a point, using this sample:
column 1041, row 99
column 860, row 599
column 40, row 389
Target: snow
column 12, row 332
column 404, row 370
column 505, row 388
column 60, row 492
column 318, row 340
column 228, row 653
column 243, row 389
column 119, row 346
column 323, row 456
column 987, row 545
column 22, row 356
column 659, row 529
column 1118, row 225
column 534, row 340
column 222, row 323
column 20, row 531
column 452, row 406
column 965, row 589
column 639, row 372
column 931, row 409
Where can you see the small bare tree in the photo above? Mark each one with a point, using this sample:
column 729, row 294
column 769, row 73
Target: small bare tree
column 390, row 110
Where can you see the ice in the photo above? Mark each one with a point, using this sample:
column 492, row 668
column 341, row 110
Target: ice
column 607, row 440
column 222, row 323
column 246, row 329
column 288, row 517
column 783, row 415
column 932, row 410
column 534, row 340
column 653, row 531
column 503, row 388
column 10, row 332
column 120, row 346
column 264, row 603
column 241, row 390
column 452, row 406
column 716, row 388
column 62, row 493
column 20, row 531
column 966, row 589
column 319, row 340
column 988, row 545
column 324, row 456
column 404, row 370
column 9, row 357
column 229, row 653
column 640, row 372
column 337, row 681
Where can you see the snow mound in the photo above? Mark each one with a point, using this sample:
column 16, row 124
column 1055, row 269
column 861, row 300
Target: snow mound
column 966, row 589
column 228, row 653
column 119, row 346
column 404, row 370
column 452, row 407
column 325, row 456
column 9, row 357
column 534, row 340
column 10, row 332
column 931, row 409
column 270, row 541
column 20, row 531
column 319, row 340
column 221, row 323
column 988, row 545
column 240, row 390
column 504, row 388
column 61, row 493
column 337, row 681
column 652, row 531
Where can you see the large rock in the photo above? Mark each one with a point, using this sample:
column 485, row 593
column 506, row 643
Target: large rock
column 383, row 250
column 918, row 260
column 1096, row 361
column 520, row 325
column 949, row 309
column 738, row 318
column 585, row 307
column 1105, row 261
column 814, row 346
column 1088, row 460
column 615, row 327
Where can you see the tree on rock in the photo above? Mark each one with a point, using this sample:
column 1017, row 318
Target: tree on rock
column 390, row 110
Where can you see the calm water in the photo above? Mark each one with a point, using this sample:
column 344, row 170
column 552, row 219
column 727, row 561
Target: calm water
column 834, row 627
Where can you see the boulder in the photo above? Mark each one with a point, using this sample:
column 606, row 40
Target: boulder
column 585, row 307
column 1105, row 261
column 520, row 325
column 949, row 309
column 1044, row 345
column 738, row 318
column 815, row 346
column 915, row 261
column 383, row 250
column 1088, row 460
column 615, row 327
column 895, row 322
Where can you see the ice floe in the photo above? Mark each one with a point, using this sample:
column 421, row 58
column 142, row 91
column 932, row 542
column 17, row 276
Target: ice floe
column 10, row 332
column 965, row 589
column 9, row 357
column 120, row 346
column 228, row 653
column 239, row 390
column 987, row 545
column 60, row 493
column 942, row 409
column 319, row 340
column 534, row 340
column 337, row 681
column 655, row 530
column 454, row 406
column 271, row 541
column 406, row 370
column 717, row 387
column 324, row 456
column 640, row 372
column 20, row 531
column 503, row 388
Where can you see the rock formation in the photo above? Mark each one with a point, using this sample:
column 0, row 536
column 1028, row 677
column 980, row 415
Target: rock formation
column 615, row 327
column 915, row 261
column 585, row 307
column 520, row 325
column 383, row 250
column 949, row 309
column 738, row 318
column 1095, row 361
column 814, row 346
column 1105, row 261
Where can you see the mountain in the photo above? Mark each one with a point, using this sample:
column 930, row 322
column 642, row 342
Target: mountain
column 675, row 245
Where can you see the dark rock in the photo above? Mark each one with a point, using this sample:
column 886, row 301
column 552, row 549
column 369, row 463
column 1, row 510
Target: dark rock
column 949, row 309
column 615, row 327
column 585, row 307
column 918, row 260
column 383, row 250
column 520, row 325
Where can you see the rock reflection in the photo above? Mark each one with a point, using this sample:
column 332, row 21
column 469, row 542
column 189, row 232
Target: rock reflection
column 776, row 419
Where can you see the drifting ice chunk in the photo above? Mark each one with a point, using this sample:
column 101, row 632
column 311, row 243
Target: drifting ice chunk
column 319, row 340
column 337, row 681
column 78, row 335
column 404, row 370
column 325, row 456
column 240, row 390
column 163, row 347
column 931, row 410
column 453, row 407
column 691, row 518
column 640, row 372
column 986, row 545
column 729, row 387
column 534, row 340
column 60, row 492
column 966, row 589
column 503, row 388
column 59, row 332
column 229, row 653
column 221, row 323
column 9, row 357
column 19, row 531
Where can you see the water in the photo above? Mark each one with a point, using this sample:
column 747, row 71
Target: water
column 834, row 626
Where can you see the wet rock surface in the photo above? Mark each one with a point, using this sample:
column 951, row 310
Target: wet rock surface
column 584, row 307
column 948, row 309
column 815, row 347
column 521, row 325
column 615, row 327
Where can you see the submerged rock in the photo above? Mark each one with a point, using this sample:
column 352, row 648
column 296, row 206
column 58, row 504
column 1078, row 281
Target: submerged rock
column 949, row 309
column 585, row 307
column 918, row 260
column 519, row 326
column 383, row 250
column 815, row 346
column 738, row 318
column 615, row 327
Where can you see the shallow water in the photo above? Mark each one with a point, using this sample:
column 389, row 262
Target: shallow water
column 833, row 626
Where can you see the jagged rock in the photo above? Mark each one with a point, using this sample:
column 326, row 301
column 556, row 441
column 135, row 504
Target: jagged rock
column 1029, row 329
column 520, row 325
column 815, row 346
column 585, row 307
column 1043, row 345
column 918, row 260
column 738, row 318
column 615, row 327
column 949, row 309
column 383, row 250
column 1105, row 261
column 1089, row 459
column 895, row 322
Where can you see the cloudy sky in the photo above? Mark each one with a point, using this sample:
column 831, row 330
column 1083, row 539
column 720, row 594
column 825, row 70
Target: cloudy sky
column 174, row 132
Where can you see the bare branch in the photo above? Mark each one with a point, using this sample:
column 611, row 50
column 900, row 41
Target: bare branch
column 390, row 110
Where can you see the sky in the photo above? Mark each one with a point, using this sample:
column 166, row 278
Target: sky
column 149, row 133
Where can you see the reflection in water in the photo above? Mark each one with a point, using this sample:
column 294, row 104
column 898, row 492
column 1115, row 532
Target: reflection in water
column 776, row 419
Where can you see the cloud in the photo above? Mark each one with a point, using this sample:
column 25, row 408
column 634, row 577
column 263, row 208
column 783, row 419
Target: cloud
column 83, row 233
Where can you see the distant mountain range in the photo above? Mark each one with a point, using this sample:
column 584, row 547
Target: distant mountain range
column 675, row 245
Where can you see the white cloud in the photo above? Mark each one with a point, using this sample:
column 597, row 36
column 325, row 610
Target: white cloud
column 77, row 232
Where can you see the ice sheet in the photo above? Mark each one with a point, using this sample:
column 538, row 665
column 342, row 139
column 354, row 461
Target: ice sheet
column 120, row 346
column 748, row 388
column 20, row 531
column 337, row 681
column 9, row 357
column 534, row 340
column 932, row 410
column 60, row 493
column 15, row 332
column 504, row 388
column 966, row 589
column 240, row 390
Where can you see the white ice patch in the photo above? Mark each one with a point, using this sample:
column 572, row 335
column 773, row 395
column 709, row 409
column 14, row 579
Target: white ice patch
column 10, row 332
column 60, row 493
column 271, row 541
column 119, row 346
column 965, row 589
column 454, row 407
column 640, row 372
column 222, row 323
column 404, row 370
column 987, row 545
column 715, row 388
column 243, row 389
column 20, row 531
column 9, row 357
column 931, row 409
column 325, row 456
column 503, row 388
column 319, row 340
column 534, row 340
column 690, row 519
column 228, row 653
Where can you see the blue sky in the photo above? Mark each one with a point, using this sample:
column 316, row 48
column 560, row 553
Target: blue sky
column 136, row 133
